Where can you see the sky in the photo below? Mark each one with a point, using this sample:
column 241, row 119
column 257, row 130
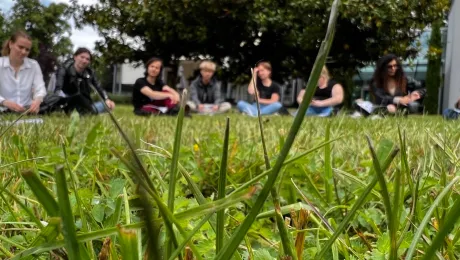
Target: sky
column 86, row 37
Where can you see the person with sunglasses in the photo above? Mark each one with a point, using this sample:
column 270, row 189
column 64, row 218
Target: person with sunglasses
column 392, row 89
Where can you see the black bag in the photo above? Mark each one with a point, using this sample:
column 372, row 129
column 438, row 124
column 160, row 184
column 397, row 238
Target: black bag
column 52, row 103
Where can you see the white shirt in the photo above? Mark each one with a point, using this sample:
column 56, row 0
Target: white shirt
column 27, row 86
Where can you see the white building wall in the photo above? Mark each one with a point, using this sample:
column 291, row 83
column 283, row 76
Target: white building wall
column 452, row 63
column 129, row 73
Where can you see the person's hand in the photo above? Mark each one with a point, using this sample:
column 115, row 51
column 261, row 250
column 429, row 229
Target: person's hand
column 174, row 98
column 317, row 103
column 405, row 100
column 200, row 107
column 415, row 96
column 13, row 106
column 35, row 106
column 391, row 108
column 215, row 108
column 256, row 69
column 110, row 104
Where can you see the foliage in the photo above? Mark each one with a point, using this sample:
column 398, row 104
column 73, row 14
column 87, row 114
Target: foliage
column 239, row 33
column 48, row 25
column 433, row 74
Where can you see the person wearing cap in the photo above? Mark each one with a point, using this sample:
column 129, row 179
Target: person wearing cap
column 205, row 91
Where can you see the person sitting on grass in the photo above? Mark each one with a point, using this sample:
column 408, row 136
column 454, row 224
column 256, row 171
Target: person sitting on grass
column 151, row 96
column 269, row 92
column 452, row 113
column 392, row 89
column 328, row 94
column 21, row 81
column 75, row 81
column 205, row 93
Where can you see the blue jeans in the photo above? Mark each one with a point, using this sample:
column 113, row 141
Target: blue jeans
column 251, row 109
column 317, row 111
column 98, row 107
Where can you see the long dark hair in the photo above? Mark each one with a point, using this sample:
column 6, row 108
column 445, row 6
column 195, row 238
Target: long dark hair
column 380, row 78
column 13, row 38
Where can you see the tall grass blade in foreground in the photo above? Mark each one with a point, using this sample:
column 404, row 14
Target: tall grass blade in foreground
column 286, row 239
column 392, row 223
column 173, row 170
column 221, row 189
column 41, row 193
column 386, row 153
column 421, row 228
column 68, row 221
column 450, row 220
column 129, row 244
column 239, row 234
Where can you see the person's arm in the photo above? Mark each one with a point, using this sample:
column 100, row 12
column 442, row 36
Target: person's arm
column 457, row 105
column 275, row 98
column 60, row 76
column 38, row 89
column 382, row 98
column 194, row 93
column 251, row 86
column 334, row 100
column 300, row 96
column 97, row 85
column 217, row 94
column 173, row 92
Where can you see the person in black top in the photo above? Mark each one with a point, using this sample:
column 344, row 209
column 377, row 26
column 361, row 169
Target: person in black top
column 74, row 81
column 151, row 95
column 328, row 94
column 269, row 92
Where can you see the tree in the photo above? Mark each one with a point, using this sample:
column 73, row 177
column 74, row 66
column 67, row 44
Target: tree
column 433, row 74
column 49, row 28
column 239, row 33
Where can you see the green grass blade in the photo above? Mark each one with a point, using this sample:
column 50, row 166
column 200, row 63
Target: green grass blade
column 239, row 234
column 386, row 153
column 451, row 219
column 215, row 206
column 190, row 235
column 328, row 176
column 12, row 124
column 286, row 239
column 153, row 246
column 220, row 232
column 173, row 169
column 129, row 244
column 285, row 210
column 41, row 193
column 65, row 212
column 426, row 219
column 385, row 198
column 47, row 234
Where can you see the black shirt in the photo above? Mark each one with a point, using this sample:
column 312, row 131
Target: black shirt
column 324, row 93
column 140, row 99
column 267, row 92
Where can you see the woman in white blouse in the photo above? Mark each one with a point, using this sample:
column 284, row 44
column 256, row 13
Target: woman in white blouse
column 21, row 81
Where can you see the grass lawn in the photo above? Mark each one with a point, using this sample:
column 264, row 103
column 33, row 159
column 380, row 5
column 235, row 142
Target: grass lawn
column 332, row 178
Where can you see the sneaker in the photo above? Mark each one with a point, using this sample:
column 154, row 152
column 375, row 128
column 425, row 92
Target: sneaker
column 356, row 114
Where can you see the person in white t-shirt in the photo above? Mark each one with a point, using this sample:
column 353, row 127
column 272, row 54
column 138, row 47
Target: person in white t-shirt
column 21, row 81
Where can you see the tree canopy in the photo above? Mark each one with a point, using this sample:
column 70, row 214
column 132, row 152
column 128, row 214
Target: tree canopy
column 238, row 33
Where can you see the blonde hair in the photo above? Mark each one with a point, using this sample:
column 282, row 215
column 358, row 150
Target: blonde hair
column 325, row 73
column 208, row 65
column 18, row 34
column 267, row 65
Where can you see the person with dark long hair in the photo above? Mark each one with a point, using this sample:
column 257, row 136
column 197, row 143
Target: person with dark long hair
column 392, row 89
column 151, row 95
column 21, row 80
column 75, row 81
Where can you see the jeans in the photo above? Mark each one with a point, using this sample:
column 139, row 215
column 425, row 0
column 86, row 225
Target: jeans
column 317, row 111
column 265, row 109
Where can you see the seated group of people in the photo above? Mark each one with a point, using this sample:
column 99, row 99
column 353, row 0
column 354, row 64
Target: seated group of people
column 22, row 88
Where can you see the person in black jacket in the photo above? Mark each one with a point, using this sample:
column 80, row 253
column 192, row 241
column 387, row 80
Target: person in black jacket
column 75, row 81
column 392, row 89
